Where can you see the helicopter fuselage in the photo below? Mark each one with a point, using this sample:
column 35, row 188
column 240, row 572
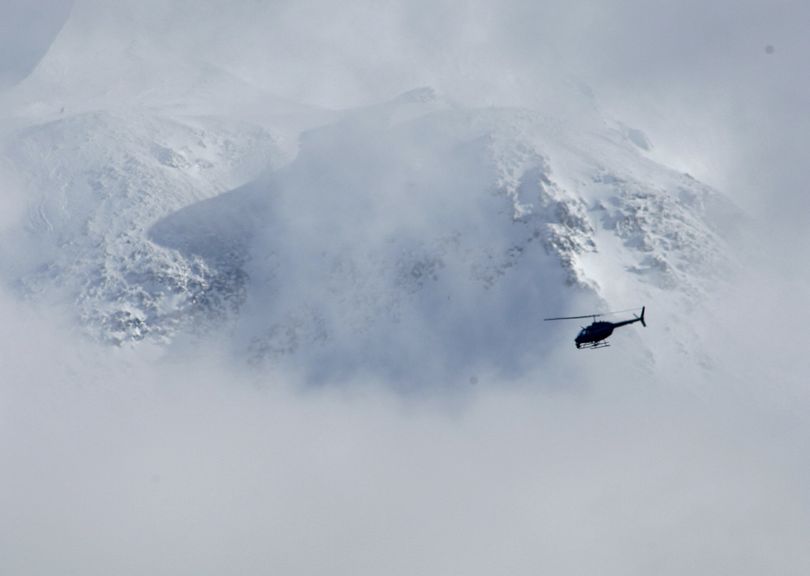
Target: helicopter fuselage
column 594, row 333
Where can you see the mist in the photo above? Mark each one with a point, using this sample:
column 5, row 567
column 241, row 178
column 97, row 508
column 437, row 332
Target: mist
column 184, row 459
column 118, row 463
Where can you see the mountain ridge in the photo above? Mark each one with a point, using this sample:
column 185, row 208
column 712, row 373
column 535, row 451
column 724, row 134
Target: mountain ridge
column 347, row 240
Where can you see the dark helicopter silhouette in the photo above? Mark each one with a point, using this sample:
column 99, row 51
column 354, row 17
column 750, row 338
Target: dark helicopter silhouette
column 592, row 336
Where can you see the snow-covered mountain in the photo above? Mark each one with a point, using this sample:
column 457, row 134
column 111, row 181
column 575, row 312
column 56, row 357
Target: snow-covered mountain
column 414, row 237
column 417, row 230
column 273, row 278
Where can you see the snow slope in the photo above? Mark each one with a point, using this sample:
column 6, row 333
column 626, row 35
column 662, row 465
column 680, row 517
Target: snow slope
column 419, row 238
column 416, row 237
column 97, row 181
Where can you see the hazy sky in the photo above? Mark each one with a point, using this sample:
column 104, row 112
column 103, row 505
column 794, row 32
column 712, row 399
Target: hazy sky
column 122, row 462
column 26, row 29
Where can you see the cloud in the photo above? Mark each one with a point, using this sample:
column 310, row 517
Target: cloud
column 194, row 468
column 696, row 77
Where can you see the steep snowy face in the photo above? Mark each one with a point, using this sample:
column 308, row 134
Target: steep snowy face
column 96, row 183
column 419, row 239
column 409, row 230
column 164, row 194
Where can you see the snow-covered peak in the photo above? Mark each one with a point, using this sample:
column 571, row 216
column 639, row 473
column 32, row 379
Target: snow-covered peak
column 417, row 236
column 437, row 242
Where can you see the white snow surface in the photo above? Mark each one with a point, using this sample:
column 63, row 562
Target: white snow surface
column 415, row 237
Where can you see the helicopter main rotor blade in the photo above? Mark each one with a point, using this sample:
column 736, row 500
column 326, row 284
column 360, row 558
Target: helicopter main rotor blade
column 591, row 315
column 618, row 312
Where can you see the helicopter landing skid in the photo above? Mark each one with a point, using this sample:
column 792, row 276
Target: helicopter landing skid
column 596, row 345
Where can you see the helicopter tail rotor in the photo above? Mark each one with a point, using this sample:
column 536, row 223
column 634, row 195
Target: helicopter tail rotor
column 640, row 318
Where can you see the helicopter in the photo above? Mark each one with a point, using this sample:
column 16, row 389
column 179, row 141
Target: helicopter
column 595, row 335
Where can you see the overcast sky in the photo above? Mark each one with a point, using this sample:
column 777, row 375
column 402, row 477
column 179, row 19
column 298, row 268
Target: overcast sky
column 26, row 29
